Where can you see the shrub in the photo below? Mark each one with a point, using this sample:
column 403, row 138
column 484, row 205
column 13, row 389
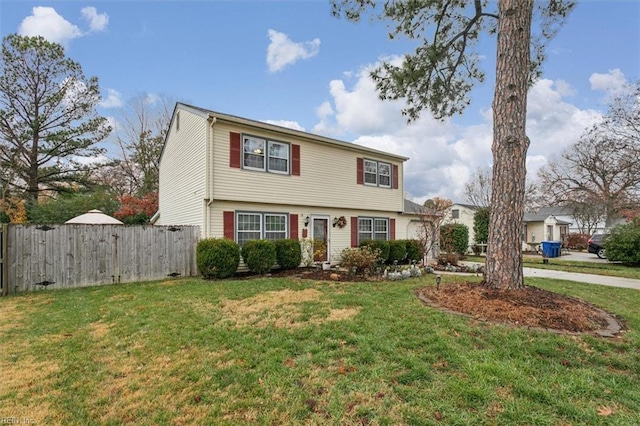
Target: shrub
column 481, row 225
column 397, row 251
column 415, row 250
column 381, row 246
column 623, row 244
column 446, row 259
column 288, row 253
column 454, row 238
column 259, row 255
column 362, row 259
column 577, row 241
column 217, row 257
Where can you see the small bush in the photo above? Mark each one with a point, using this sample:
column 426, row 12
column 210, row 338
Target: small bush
column 447, row 259
column 397, row 251
column 623, row 244
column 217, row 258
column 381, row 246
column 259, row 255
column 577, row 241
column 362, row 259
column 288, row 253
column 454, row 238
column 415, row 251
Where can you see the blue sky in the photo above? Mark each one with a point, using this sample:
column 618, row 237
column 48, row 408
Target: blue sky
column 292, row 63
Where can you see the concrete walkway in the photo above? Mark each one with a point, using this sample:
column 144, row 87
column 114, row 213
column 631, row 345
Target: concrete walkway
column 583, row 278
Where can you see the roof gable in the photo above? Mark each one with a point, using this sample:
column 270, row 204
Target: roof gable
column 255, row 124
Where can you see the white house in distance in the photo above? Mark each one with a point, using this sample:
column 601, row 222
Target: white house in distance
column 243, row 179
column 463, row 214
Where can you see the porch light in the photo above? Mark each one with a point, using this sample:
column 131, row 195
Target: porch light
column 306, row 221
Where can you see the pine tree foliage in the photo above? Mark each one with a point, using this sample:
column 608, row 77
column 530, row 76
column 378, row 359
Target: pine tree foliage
column 49, row 128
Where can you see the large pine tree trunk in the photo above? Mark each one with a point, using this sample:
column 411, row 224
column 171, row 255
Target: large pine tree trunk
column 510, row 143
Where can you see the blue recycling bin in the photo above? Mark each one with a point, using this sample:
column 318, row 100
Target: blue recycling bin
column 551, row 248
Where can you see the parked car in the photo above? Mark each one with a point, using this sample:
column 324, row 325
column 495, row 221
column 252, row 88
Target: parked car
column 596, row 246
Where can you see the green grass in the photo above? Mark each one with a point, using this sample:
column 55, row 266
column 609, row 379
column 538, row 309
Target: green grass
column 557, row 264
column 283, row 351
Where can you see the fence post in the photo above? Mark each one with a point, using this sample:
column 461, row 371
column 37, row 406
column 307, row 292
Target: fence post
column 4, row 258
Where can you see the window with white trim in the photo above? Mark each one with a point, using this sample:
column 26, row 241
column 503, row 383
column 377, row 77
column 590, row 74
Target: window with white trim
column 377, row 173
column 254, row 153
column 373, row 228
column 259, row 226
column 384, row 175
column 249, row 227
column 370, row 172
column 265, row 155
column 275, row 226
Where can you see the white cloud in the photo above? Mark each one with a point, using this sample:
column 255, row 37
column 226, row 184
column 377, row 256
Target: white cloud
column 113, row 100
column 46, row 22
column 443, row 155
column 97, row 21
column 284, row 123
column 282, row 51
column 613, row 81
column 98, row 159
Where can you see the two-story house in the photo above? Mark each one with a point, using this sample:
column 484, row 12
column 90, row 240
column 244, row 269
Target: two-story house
column 243, row 179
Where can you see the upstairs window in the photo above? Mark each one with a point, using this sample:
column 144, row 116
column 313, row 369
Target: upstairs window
column 254, row 149
column 384, row 175
column 278, row 157
column 261, row 154
column 455, row 214
column 376, row 174
column 370, row 172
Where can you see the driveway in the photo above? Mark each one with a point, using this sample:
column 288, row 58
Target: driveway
column 582, row 256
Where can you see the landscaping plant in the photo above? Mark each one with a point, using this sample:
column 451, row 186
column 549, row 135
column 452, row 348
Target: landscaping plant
column 259, row 255
column 288, row 253
column 623, row 243
column 217, row 258
column 360, row 260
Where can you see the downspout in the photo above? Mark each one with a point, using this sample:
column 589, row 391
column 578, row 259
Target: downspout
column 208, row 180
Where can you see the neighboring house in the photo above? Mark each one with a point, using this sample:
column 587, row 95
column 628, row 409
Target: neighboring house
column 464, row 214
column 542, row 226
column 243, row 179
column 563, row 214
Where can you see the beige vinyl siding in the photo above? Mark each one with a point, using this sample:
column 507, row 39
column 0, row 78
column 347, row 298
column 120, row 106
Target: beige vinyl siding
column 339, row 238
column 465, row 217
column 328, row 176
column 182, row 172
column 535, row 232
column 408, row 227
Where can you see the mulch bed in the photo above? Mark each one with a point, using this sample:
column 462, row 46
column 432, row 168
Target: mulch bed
column 527, row 307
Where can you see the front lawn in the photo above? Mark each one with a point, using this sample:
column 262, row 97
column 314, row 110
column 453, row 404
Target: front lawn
column 290, row 351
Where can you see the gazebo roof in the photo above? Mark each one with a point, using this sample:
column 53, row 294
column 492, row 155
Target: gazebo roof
column 94, row 217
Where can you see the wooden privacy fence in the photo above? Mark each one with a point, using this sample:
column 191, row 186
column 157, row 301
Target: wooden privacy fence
column 34, row 257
